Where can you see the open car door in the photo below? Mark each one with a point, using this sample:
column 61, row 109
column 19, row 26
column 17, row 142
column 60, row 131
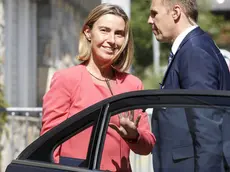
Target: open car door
column 38, row 156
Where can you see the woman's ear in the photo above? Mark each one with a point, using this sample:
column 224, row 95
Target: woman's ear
column 87, row 32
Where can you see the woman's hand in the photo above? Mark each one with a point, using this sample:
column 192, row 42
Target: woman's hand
column 128, row 127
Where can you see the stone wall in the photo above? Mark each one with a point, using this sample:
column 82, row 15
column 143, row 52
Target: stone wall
column 18, row 133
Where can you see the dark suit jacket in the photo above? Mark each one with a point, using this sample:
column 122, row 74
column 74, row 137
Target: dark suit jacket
column 198, row 64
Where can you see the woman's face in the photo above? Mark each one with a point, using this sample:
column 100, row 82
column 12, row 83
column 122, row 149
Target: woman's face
column 107, row 36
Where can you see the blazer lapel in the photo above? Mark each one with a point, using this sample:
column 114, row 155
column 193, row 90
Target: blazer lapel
column 167, row 70
column 197, row 31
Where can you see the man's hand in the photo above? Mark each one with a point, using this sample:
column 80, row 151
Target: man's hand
column 128, row 127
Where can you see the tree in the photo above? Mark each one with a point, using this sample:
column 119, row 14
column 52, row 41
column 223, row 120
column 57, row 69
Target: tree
column 143, row 63
column 142, row 35
column 3, row 114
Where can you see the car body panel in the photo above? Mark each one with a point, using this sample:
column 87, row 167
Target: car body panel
column 28, row 166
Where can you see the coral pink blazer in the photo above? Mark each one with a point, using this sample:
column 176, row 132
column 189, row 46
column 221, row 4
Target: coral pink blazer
column 73, row 90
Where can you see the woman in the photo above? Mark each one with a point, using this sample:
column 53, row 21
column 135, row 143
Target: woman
column 106, row 52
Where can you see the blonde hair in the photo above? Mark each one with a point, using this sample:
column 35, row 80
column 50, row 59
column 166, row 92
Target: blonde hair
column 123, row 59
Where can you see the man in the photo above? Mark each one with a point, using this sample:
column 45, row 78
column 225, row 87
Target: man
column 195, row 63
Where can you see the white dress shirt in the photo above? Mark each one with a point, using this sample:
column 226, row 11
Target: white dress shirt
column 180, row 38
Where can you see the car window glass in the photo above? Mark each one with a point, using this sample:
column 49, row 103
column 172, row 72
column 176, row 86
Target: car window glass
column 73, row 151
column 115, row 153
column 115, row 150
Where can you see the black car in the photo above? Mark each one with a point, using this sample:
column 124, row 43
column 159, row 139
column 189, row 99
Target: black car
column 37, row 157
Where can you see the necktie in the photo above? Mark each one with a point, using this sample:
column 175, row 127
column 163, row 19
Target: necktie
column 170, row 57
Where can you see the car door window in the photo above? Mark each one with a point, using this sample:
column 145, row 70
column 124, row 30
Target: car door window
column 115, row 148
column 115, row 154
column 74, row 150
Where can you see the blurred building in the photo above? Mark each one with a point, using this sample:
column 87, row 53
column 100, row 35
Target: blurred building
column 222, row 6
column 2, row 47
column 41, row 36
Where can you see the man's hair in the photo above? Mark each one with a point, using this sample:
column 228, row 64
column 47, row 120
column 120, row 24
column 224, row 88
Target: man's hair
column 189, row 7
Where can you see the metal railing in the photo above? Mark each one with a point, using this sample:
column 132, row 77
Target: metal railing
column 28, row 114
column 23, row 126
